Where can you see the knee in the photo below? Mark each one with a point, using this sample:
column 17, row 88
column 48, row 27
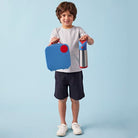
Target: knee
column 63, row 101
column 74, row 101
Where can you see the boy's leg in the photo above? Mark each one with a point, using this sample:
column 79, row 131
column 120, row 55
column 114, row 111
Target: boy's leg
column 75, row 110
column 62, row 110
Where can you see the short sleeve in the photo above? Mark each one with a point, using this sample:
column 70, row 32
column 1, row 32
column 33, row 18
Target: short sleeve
column 54, row 34
column 81, row 32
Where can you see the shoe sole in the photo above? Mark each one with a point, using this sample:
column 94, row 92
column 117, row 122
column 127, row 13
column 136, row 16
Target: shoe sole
column 77, row 133
column 62, row 135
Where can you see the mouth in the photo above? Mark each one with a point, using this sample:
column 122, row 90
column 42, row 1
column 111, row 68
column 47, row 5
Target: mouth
column 67, row 22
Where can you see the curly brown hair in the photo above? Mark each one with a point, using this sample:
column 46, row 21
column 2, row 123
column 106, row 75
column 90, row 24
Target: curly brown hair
column 66, row 6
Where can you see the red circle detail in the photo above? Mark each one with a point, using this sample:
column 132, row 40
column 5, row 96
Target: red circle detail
column 63, row 48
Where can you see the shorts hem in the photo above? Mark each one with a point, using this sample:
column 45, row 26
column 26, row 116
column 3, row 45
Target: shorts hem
column 59, row 98
column 77, row 98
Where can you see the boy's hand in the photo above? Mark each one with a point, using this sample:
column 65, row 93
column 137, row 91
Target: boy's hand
column 84, row 37
column 88, row 38
column 54, row 40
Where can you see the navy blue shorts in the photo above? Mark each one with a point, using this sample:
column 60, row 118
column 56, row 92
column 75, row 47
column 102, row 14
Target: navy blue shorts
column 72, row 80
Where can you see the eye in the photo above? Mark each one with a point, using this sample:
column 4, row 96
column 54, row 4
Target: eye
column 70, row 15
column 63, row 15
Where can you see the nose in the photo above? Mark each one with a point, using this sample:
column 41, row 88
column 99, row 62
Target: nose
column 66, row 17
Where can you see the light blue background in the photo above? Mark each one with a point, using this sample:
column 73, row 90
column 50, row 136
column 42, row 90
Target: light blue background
column 28, row 108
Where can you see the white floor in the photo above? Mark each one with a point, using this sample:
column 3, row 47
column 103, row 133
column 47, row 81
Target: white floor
column 31, row 122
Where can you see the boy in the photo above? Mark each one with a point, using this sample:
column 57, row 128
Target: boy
column 72, row 77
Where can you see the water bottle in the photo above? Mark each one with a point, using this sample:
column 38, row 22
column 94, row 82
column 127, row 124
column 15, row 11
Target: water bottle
column 83, row 54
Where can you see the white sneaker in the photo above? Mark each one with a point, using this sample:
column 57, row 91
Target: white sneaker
column 62, row 129
column 76, row 128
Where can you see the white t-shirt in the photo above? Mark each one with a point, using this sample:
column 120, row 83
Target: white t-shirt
column 71, row 38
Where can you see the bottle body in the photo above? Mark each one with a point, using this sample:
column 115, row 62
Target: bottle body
column 83, row 54
column 83, row 59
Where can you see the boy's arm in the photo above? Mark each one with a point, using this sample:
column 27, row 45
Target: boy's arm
column 54, row 40
column 90, row 40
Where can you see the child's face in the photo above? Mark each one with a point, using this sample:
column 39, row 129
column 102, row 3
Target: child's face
column 66, row 19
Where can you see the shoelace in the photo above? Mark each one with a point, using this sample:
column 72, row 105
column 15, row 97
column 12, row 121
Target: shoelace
column 61, row 127
column 76, row 125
